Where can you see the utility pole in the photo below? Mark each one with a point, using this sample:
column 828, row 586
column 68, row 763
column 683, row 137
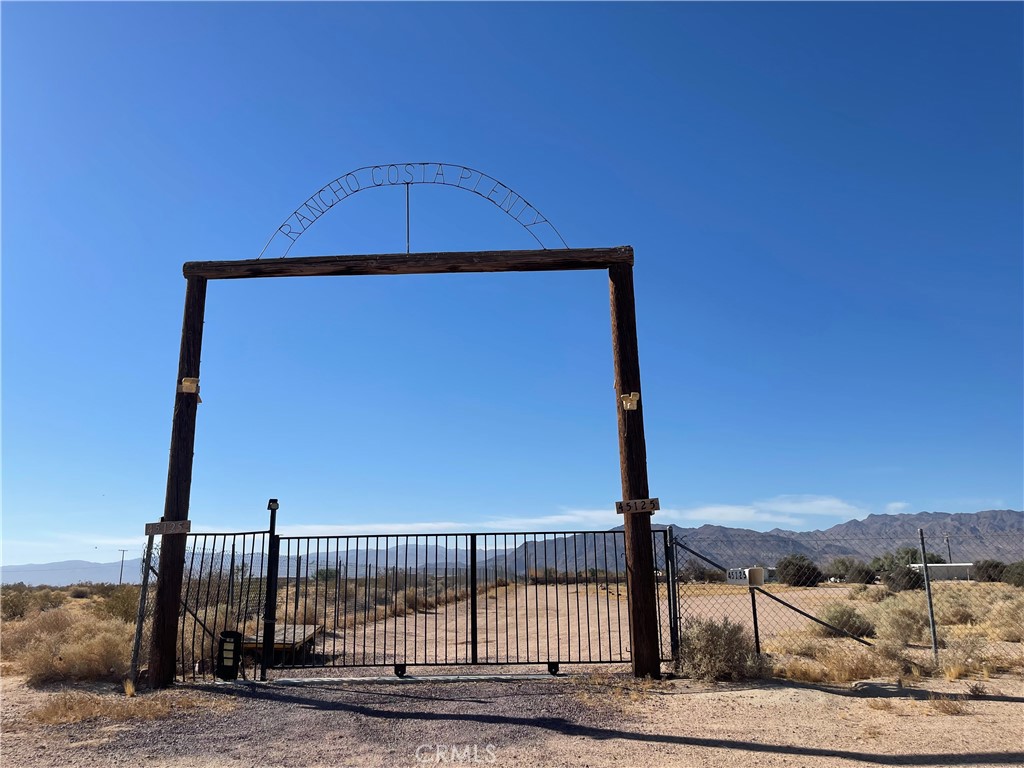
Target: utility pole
column 949, row 552
column 120, row 577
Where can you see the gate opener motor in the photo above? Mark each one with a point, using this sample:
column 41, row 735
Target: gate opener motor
column 229, row 649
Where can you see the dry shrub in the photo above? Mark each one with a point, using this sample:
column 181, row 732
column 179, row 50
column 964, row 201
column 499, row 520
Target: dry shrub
column 14, row 603
column 949, row 705
column 869, row 594
column 1005, row 620
column 844, row 617
column 47, row 599
column 77, row 707
column 122, row 603
column 58, row 645
column 717, row 650
column 844, row 664
column 80, row 591
column 793, row 644
column 903, row 618
column 962, row 656
column 800, row 669
column 836, row 662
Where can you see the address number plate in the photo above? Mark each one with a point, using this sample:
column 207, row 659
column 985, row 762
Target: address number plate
column 168, row 527
column 637, row 505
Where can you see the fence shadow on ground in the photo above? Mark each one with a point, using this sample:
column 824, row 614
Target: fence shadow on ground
column 563, row 726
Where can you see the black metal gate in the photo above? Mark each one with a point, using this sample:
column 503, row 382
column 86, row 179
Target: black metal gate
column 544, row 598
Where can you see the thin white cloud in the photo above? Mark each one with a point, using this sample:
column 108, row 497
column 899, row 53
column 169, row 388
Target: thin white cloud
column 895, row 507
column 730, row 513
column 566, row 519
column 809, row 504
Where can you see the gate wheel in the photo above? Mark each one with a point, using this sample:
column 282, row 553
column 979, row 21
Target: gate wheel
column 552, row 667
column 399, row 670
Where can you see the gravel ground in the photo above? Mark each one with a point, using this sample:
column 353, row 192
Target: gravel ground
column 597, row 719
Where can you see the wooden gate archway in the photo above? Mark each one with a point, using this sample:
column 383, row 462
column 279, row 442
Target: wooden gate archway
column 643, row 628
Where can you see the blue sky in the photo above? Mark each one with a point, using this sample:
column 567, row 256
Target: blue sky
column 825, row 202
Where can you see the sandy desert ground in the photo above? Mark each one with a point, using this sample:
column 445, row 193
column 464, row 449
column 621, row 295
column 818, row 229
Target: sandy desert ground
column 595, row 719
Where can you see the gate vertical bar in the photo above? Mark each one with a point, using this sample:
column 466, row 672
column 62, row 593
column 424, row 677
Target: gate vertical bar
column 643, row 618
column 270, row 609
column 162, row 656
column 472, row 598
column 673, row 594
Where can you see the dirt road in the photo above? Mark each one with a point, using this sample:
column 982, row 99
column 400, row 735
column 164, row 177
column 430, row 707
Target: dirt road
column 594, row 720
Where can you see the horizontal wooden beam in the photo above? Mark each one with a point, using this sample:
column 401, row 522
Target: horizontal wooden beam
column 413, row 263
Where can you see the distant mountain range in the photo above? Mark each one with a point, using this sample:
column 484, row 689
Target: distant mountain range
column 995, row 534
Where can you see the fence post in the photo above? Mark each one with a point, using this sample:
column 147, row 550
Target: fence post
column 140, row 618
column 928, row 593
column 472, row 598
column 757, row 630
column 673, row 593
column 270, row 610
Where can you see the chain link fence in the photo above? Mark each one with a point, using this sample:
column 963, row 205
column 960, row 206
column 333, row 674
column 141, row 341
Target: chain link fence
column 811, row 595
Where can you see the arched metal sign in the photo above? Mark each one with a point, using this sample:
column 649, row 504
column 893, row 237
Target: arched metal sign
column 461, row 177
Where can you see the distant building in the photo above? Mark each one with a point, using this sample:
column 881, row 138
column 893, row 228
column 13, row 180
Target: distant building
column 946, row 571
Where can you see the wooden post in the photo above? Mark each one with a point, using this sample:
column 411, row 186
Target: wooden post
column 643, row 616
column 162, row 656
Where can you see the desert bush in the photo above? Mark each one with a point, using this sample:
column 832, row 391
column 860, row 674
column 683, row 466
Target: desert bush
column 47, row 599
column 80, row 591
column 58, row 645
column 122, row 603
column 836, row 663
column 949, row 705
column 955, row 603
column 799, row 668
column 989, row 570
column 962, row 656
column 798, row 571
column 839, row 566
column 901, row 577
column 794, row 643
column 14, row 602
column 846, row 618
column 717, row 650
column 1014, row 574
column 694, row 570
column 851, row 570
column 1005, row 620
column 860, row 573
column 846, row 663
column 903, row 556
column 869, row 594
column 903, row 618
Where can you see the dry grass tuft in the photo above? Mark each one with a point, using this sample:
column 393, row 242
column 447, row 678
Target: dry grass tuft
column 836, row 662
column 949, row 705
column 77, row 707
column 800, row 669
